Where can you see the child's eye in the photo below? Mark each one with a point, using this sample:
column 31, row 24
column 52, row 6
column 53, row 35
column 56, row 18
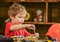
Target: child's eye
column 19, row 17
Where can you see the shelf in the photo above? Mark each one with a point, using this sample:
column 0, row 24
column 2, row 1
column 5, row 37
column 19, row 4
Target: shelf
column 40, row 22
column 51, row 23
column 31, row 1
column 35, row 22
column 51, row 1
column 35, row 1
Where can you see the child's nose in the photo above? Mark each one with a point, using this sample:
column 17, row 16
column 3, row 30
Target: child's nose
column 21, row 20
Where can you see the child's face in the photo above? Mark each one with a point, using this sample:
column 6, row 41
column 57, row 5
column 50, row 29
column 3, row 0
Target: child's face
column 20, row 17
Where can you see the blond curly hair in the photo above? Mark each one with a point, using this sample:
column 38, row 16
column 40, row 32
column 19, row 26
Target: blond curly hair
column 14, row 9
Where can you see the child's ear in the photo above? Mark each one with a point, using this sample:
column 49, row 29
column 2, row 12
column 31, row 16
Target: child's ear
column 11, row 17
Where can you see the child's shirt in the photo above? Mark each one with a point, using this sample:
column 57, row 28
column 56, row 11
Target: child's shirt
column 20, row 32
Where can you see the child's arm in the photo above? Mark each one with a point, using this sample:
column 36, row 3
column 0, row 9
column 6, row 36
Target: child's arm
column 16, row 27
column 20, row 26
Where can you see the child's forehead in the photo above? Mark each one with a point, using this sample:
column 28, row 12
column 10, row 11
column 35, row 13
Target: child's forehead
column 19, row 14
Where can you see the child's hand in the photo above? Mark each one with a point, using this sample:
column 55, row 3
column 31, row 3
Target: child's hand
column 31, row 26
column 37, row 35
